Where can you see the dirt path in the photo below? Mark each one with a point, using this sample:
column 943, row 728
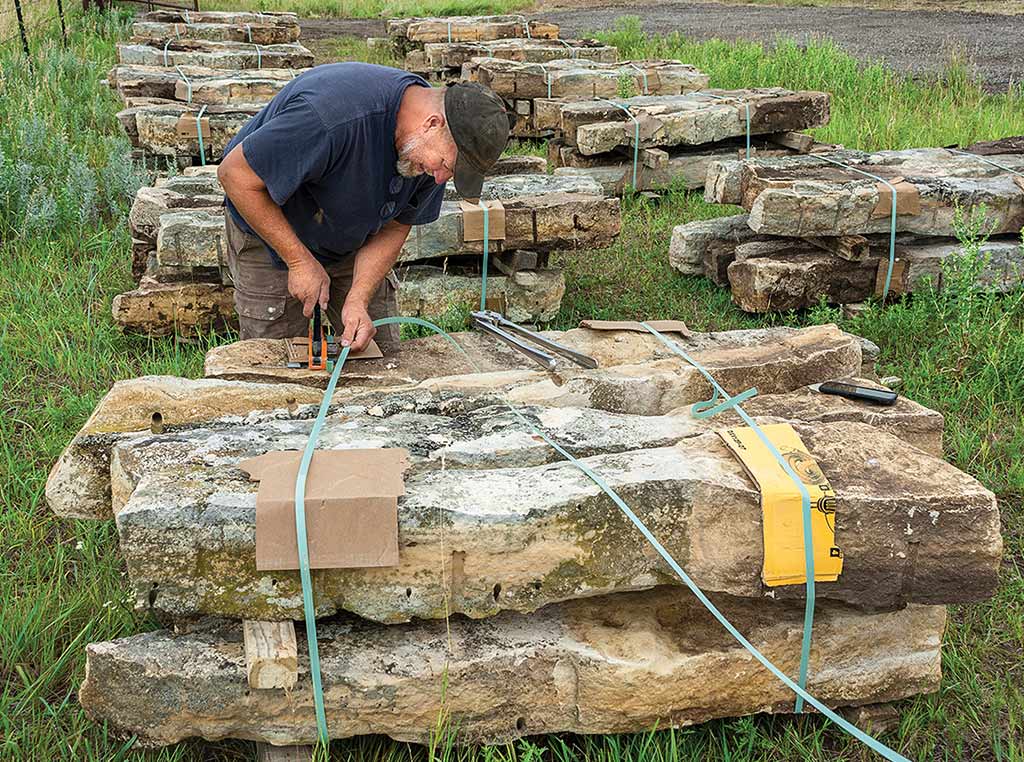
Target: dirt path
column 918, row 42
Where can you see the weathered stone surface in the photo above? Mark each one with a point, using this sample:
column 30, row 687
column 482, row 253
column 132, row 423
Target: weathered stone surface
column 517, row 185
column 638, row 376
column 692, row 119
column 580, row 79
column 687, row 167
column 691, row 241
column 158, row 128
column 208, row 86
column 648, row 659
column 187, row 16
column 193, row 238
column 519, row 165
column 806, row 196
column 451, row 56
column 527, row 296
column 179, row 192
column 799, row 275
column 216, row 55
column 163, row 309
column 912, row 527
column 258, row 33
column 468, row 29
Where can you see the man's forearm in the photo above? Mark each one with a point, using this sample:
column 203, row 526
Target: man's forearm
column 252, row 200
column 373, row 261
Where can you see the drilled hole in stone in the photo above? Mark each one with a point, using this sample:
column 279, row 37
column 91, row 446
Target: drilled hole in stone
column 497, row 591
column 152, row 594
column 291, row 404
column 408, row 592
column 537, row 585
column 273, row 582
column 520, row 724
column 156, row 425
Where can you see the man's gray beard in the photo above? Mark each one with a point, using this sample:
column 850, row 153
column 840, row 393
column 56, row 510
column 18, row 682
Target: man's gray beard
column 404, row 165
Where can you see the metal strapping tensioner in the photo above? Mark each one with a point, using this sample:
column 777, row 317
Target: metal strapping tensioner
column 505, row 330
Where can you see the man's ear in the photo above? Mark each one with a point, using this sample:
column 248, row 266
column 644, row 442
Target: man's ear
column 434, row 121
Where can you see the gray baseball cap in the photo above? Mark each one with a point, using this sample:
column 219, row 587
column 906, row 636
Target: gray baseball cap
column 480, row 124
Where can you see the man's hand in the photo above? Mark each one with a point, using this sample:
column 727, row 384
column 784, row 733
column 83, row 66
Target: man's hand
column 359, row 327
column 309, row 282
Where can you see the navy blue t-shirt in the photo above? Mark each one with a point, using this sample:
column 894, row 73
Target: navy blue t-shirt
column 325, row 148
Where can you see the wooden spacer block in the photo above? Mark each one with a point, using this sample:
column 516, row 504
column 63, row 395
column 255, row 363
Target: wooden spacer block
column 271, row 654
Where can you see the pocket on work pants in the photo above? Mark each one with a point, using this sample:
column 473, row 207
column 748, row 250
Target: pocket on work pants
column 385, row 304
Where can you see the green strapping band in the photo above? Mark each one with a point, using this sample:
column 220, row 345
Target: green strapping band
column 997, row 165
column 307, row 592
column 487, row 235
column 636, row 135
column 892, row 217
column 188, row 84
column 711, row 407
column 199, row 134
column 259, row 58
column 642, row 74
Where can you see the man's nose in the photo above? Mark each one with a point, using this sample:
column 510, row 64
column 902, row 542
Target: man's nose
column 442, row 175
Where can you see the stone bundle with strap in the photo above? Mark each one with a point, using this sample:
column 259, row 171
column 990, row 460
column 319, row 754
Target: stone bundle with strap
column 217, row 26
column 564, row 600
column 524, row 85
column 179, row 250
column 199, row 84
column 791, row 249
column 647, row 142
column 412, row 33
column 215, row 54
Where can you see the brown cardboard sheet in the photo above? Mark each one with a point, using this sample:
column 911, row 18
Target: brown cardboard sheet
column 187, row 127
column 473, row 221
column 298, row 350
column 351, row 507
column 908, row 199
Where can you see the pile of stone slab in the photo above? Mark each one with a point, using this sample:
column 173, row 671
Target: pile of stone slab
column 679, row 135
column 191, row 80
column 523, row 602
column 178, row 251
column 814, row 230
column 437, row 49
column 529, row 87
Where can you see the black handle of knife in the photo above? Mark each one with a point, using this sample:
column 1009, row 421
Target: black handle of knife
column 854, row 392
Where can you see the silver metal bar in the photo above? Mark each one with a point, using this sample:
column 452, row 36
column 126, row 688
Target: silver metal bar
column 500, row 321
column 545, row 360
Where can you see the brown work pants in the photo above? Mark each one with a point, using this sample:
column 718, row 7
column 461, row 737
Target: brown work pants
column 267, row 311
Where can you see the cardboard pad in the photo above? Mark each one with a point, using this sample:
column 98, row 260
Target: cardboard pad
column 908, row 199
column 187, row 127
column 781, row 505
column 351, row 508
column 473, row 221
column 298, row 350
column 662, row 326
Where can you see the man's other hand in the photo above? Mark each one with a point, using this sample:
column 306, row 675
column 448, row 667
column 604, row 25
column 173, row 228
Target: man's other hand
column 309, row 282
column 359, row 327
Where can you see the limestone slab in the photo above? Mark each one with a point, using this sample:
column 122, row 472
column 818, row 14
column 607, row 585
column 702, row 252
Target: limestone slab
column 163, row 309
column 216, row 55
column 255, row 32
column 644, row 660
column 451, row 56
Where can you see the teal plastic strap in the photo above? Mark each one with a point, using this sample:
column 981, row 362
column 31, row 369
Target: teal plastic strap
column 574, row 49
column 526, row 26
column 199, row 134
column 248, row 30
column 188, row 84
column 997, row 165
column 642, row 74
column 188, row 19
column 167, row 45
column 892, row 216
column 487, row 236
column 636, row 135
column 303, row 548
column 449, row 31
column 709, row 408
column 259, row 57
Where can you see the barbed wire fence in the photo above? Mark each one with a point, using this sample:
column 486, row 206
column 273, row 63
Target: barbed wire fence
column 24, row 23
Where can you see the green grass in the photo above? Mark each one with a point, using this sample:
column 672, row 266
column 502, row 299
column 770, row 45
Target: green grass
column 65, row 185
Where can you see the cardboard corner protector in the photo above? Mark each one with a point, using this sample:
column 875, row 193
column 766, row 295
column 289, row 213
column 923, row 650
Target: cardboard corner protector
column 908, row 199
column 351, row 508
column 187, row 126
column 473, row 221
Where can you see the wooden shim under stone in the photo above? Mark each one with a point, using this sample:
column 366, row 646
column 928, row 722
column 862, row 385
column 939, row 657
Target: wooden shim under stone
column 216, row 55
column 258, row 34
column 807, row 196
column 452, row 56
column 577, row 80
column 468, row 29
column 692, row 119
column 271, row 654
column 624, row 664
